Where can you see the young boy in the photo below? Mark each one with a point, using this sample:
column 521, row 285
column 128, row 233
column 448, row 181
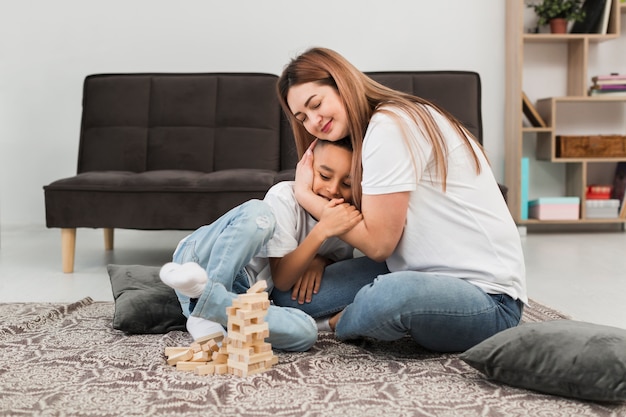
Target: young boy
column 273, row 240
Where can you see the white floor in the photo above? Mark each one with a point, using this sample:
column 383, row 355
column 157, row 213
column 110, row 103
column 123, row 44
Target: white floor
column 580, row 274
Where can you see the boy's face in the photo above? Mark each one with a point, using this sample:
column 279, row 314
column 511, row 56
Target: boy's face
column 331, row 172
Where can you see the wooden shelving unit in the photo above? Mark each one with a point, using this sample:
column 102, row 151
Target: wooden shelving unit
column 578, row 83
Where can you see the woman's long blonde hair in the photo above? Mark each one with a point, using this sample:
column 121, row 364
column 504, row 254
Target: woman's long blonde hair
column 362, row 97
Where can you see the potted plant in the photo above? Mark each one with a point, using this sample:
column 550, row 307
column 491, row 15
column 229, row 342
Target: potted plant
column 558, row 12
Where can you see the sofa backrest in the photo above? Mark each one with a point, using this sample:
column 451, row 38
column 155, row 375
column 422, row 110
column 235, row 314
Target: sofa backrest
column 214, row 121
column 199, row 122
column 459, row 92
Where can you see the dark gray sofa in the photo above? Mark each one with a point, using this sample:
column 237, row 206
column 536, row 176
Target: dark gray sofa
column 176, row 151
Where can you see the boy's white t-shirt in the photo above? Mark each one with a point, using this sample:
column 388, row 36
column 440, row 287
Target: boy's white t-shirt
column 466, row 231
column 293, row 224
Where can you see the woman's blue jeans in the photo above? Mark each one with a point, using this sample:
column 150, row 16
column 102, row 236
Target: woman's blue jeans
column 223, row 248
column 441, row 313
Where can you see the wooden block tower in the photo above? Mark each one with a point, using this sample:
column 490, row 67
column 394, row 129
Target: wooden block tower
column 248, row 353
column 243, row 352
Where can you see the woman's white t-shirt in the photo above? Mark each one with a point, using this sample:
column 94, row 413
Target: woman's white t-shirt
column 466, row 231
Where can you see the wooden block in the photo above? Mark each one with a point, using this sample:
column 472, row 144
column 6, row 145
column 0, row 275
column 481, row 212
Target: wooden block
column 258, row 287
column 173, row 350
column 235, row 320
column 219, row 358
column 257, row 305
column 201, row 356
column 255, row 328
column 245, row 351
column 238, row 337
column 218, row 336
column 251, row 314
column 211, row 346
column 182, row 356
column 188, row 366
column 196, row 347
column 233, row 327
column 245, row 370
column 208, row 369
column 260, row 357
column 239, row 344
column 262, row 347
column 272, row 361
column 252, row 298
column 257, row 371
column 238, row 365
column 221, row 369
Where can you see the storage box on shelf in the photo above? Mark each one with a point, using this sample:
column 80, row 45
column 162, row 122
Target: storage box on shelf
column 555, row 208
column 602, row 209
column 554, row 143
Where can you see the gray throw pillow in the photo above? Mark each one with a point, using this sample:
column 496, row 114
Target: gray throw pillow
column 143, row 303
column 562, row 357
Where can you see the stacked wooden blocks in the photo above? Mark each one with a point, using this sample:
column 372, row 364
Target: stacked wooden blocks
column 243, row 352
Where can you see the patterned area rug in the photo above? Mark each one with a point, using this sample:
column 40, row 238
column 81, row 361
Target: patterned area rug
column 66, row 360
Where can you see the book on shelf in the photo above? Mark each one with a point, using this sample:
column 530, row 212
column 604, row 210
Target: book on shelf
column 525, row 180
column 609, row 87
column 593, row 22
column 605, row 93
column 611, row 82
column 608, row 84
column 603, row 28
column 531, row 112
column 612, row 77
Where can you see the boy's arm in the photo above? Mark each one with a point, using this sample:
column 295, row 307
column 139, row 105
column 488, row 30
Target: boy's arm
column 336, row 219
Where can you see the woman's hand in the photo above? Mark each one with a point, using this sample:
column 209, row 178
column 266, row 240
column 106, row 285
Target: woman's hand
column 304, row 176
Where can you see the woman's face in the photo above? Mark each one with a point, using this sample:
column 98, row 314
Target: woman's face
column 319, row 109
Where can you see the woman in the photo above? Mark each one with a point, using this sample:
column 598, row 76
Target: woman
column 431, row 208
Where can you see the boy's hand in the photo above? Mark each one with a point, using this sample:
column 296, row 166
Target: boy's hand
column 338, row 218
column 310, row 281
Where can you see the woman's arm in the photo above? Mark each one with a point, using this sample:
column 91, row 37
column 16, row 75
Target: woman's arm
column 384, row 215
column 337, row 217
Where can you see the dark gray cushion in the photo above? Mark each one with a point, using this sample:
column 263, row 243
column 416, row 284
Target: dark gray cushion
column 143, row 303
column 562, row 357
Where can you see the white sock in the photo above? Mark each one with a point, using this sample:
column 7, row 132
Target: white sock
column 188, row 278
column 323, row 324
column 199, row 327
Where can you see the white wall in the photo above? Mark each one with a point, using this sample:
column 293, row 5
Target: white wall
column 48, row 47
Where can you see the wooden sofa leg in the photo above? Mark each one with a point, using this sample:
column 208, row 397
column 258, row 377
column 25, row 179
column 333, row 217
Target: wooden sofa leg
column 108, row 238
column 68, row 247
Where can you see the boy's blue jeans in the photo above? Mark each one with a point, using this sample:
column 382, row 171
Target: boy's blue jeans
column 223, row 248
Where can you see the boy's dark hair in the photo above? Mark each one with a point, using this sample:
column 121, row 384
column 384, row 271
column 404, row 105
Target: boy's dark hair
column 344, row 143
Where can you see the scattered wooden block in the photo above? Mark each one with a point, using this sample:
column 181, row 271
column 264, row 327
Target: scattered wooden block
column 181, row 356
column 201, row 356
column 208, row 369
column 172, row 350
column 188, row 366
